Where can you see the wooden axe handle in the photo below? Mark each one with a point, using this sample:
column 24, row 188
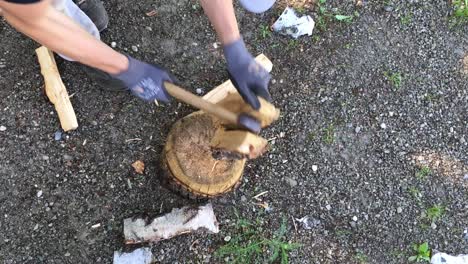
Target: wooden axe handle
column 200, row 103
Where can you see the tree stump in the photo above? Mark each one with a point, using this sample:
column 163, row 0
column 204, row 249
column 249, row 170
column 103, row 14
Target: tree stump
column 202, row 157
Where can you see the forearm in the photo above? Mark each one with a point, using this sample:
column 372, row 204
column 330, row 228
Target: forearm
column 59, row 33
column 221, row 15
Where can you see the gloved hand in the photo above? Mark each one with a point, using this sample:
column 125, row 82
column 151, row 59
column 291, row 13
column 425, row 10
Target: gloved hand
column 145, row 81
column 249, row 77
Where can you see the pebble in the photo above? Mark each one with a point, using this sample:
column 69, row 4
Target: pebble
column 67, row 157
column 58, row 135
column 36, row 227
column 465, row 177
column 399, row 210
column 388, row 8
column 391, row 113
column 243, row 198
column 227, row 238
column 199, row 91
column 67, row 254
column 355, row 218
column 314, row 168
column 433, row 225
column 2, row 66
column 282, row 134
column 149, row 28
column 291, row 182
column 94, row 123
column 215, row 45
column 113, row 44
column 39, row 193
column 45, row 157
column 2, row 128
column 328, row 207
column 135, row 48
column 383, row 126
column 358, row 129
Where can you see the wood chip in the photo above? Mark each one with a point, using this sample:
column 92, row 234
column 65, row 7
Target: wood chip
column 151, row 13
column 139, row 166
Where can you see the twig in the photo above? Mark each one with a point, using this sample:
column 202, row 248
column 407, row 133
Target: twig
column 294, row 223
column 133, row 139
column 260, row 194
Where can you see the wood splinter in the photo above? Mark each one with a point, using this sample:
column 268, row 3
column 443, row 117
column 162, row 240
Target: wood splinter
column 55, row 89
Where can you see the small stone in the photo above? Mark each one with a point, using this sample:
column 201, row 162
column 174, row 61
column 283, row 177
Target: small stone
column 399, row 210
column 36, row 227
column 149, row 28
column 67, row 157
column 67, row 254
column 94, row 123
column 58, row 135
column 243, row 198
column 215, row 45
column 2, row 66
column 433, row 225
column 383, row 126
column 357, row 129
column 465, row 177
column 227, row 238
column 391, row 113
column 2, row 128
column 45, row 157
column 113, row 44
column 273, row 81
column 135, row 48
column 199, row 91
column 388, row 8
column 291, row 182
column 39, row 193
column 328, row 207
column 355, row 218
column 314, row 168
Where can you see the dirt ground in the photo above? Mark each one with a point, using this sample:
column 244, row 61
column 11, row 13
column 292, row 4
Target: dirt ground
column 373, row 133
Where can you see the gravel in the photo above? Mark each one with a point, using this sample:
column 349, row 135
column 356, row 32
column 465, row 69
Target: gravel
column 333, row 81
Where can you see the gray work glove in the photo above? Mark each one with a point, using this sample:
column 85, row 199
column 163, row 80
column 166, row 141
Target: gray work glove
column 146, row 81
column 249, row 77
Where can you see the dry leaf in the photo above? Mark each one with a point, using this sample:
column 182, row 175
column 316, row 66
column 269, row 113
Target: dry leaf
column 139, row 166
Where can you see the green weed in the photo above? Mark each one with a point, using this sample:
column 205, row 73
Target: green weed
column 423, row 253
column 406, row 20
column 461, row 9
column 329, row 134
column 361, row 258
column 265, row 31
column 324, row 16
column 249, row 246
column 423, row 172
column 435, row 213
column 394, row 78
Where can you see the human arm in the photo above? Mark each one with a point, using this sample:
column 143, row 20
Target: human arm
column 249, row 78
column 41, row 22
column 46, row 25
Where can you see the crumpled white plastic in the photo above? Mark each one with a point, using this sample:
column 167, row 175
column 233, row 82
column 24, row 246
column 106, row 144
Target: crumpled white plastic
column 290, row 24
column 443, row 258
column 138, row 256
column 74, row 12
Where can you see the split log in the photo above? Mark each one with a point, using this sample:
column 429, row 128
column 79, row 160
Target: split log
column 55, row 89
column 178, row 221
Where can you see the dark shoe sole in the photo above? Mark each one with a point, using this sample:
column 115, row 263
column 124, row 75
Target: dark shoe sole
column 95, row 10
column 105, row 80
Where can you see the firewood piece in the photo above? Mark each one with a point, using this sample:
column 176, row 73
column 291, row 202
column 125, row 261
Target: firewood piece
column 178, row 221
column 237, row 144
column 55, row 89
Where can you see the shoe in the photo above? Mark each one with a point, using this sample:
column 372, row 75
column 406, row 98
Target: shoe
column 95, row 10
column 105, row 80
